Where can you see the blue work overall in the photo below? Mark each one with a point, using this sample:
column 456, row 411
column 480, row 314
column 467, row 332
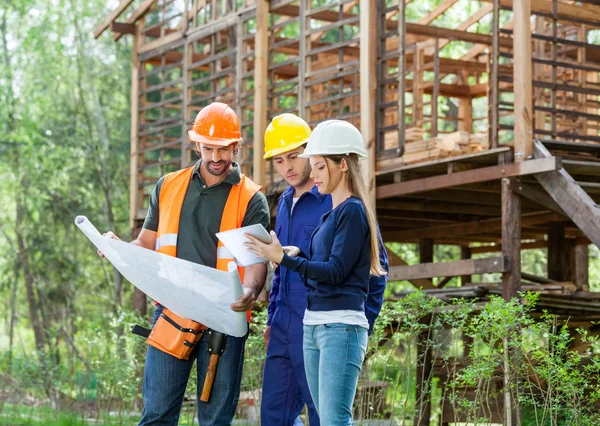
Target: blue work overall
column 285, row 390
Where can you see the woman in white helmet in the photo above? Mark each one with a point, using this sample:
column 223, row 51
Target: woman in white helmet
column 343, row 254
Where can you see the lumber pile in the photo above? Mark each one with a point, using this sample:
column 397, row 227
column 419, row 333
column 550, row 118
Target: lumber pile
column 419, row 148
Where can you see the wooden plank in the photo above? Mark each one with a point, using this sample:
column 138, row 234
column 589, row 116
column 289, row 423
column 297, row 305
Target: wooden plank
column 465, row 253
column 589, row 13
column 102, row 26
column 470, row 176
column 540, row 197
column 522, row 75
column 122, row 28
column 368, row 91
column 578, row 205
column 426, row 250
column 581, row 278
column 137, row 14
column 487, row 156
column 464, row 228
column 556, row 247
column 440, row 9
column 396, row 260
column 261, row 74
column 448, row 269
column 511, row 280
column 161, row 42
column 498, row 247
column 135, row 195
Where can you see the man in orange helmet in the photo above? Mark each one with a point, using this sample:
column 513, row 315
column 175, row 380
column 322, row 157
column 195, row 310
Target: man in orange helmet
column 187, row 208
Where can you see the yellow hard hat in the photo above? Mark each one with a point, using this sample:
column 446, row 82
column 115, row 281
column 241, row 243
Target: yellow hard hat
column 284, row 133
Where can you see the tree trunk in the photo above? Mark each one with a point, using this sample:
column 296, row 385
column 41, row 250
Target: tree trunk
column 20, row 190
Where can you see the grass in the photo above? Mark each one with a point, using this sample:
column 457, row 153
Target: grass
column 22, row 415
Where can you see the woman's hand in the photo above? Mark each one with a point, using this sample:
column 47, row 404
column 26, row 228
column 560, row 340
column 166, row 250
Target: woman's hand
column 291, row 251
column 272, row 252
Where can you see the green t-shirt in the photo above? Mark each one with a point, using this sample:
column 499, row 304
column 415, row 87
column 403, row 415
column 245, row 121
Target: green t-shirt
column 201, row 215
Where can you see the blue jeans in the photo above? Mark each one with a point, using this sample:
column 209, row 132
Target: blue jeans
column 333, row 356
column 166, row 377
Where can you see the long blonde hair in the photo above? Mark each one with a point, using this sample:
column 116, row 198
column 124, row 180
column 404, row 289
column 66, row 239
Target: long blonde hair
column 357, row 187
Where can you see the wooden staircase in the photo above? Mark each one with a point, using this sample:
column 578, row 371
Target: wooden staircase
column 573, row 195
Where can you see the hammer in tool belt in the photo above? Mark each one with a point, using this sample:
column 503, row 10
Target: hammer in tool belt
column 216, row 347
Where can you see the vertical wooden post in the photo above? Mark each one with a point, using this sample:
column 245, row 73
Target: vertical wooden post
column 426, row 250
column 511, row 238
column 187, row 119
column 261, row 67
column 135, row 194
column 465, row 253
column 465, row 115
column 582, row 267
column 368, row 88
column 511, row 281
column 556, row 246
column 493, row 113
column 401, row 76
column 522, row 80
column 134, row 175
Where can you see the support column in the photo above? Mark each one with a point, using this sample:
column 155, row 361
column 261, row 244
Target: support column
column 556, row 247
column 582, row 257
column 261, row 74
column 426, row 250
column 465, row 253
column 511, row 282
column 135, row 193
column 368, row 89
column 523, row 136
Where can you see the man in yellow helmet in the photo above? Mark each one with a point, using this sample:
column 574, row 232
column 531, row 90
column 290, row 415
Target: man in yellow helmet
column 300, row 207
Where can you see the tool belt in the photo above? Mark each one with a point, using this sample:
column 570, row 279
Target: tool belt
column 172, row 334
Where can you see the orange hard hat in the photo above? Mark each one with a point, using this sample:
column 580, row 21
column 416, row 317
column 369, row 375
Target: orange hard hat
column 216, row 124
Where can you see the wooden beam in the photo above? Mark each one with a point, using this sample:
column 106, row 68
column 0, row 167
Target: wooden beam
column 161, row 42
column 576, row 203
column 465, row 253
column 396, row 260
column 261, row 75
column 522, row 76
column 368, row 91
column 102, row 26
column 582, row 267
column 426, row 250
column 483, row 174
column 122, row 28
column 498, row 247
column 440, row 9
column 539, row 197
column 588, row 13
column 511, row 282
column 556, row 246
column 448, row 269
column 137, row 14
column 464, row 228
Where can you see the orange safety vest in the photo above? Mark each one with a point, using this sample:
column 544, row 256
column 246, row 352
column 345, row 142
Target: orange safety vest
column 172, row 194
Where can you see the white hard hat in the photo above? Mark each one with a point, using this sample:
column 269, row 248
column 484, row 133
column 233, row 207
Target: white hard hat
column 335, row 137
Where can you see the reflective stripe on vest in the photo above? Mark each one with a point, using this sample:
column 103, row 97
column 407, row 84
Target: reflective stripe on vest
column 166, row 240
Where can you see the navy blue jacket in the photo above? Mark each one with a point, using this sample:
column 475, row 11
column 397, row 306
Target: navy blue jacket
column 339, row 255
column 297, row 229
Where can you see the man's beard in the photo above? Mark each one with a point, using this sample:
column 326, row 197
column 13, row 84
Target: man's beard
column 225, row 169
column 305, row 175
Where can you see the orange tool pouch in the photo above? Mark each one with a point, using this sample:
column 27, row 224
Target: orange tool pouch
column 175, row 335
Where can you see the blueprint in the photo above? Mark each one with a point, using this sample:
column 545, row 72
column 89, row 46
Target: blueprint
column 190, row 290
